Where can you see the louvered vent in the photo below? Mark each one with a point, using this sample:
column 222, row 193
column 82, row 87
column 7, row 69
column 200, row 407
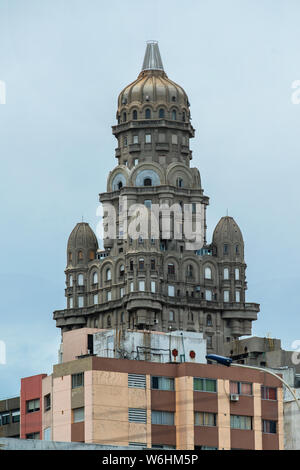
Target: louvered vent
column 136, row 381
column 140, row 445
column 137, row 415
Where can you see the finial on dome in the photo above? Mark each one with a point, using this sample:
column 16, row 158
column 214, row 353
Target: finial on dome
column 152, row 59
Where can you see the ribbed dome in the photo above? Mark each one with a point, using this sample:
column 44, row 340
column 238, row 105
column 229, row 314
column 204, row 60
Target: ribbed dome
column 82, row 236
column 152, row 85
column 227, row 230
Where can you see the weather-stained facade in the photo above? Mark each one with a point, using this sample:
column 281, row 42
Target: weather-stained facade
column 160, row 282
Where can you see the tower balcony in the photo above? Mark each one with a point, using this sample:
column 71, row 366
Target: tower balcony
column 164, row 146
column 134, row 148
column 153, row 123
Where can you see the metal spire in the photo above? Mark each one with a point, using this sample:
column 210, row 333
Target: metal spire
column 152, row 59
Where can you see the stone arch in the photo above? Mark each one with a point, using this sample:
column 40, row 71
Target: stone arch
column 117, row 175
column 143, row 170
column 178, row 170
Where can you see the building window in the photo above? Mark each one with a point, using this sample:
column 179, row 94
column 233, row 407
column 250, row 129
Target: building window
column 147, row 182
column 225, row 249
column 135, row 161
column 162, row 417
column 131, row 287
column 209, row 321
column 108, row 295
column 33, row 405
column 208, row 295
column 134, row 114
column 80, row 280
column 70, row 280
column 179, row 183
column 91, row 254
column 33, row 435
column 209, row 340
column 237, row 249
column 71, row 302
column 80, row 256
column 269, row 426
column 47, row 402
column 148, row 203
column 15, row 416
column 174, row 139
column 162, row 383
column 171, row 315
column 205, row 419
column 122, row 318
column 171, row 291
column 148, row 113
column 108, row 274
column 78, row 415
column 226, row 273
column 95, row 277
column 171, row 269
column 241, row 388
column 77, row 380
column 174, row 115
column 147, row 138
column 4, row 418
column 95, row 299
column 137, row 415
column 205, row 385
column 190, row 271
column 108, row 321
column 268, row 393
column 152, row 264
column 237, row 296
column 161, row 113
column 142, row 286
column 131, row 265
column 226, row 295
column 153, row 287
column 121, row 270
column 141, row 264
column 207, row 273
column 240, row 422
column 237, row 274
column 80, row 301
column 183, row 116
column 124, row 117
column 135, row 139
column 122, row 292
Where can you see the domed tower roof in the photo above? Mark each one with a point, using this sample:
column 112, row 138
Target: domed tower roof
column 82, row 244
column 228, row 238
column 153, row 85
column 227, row 230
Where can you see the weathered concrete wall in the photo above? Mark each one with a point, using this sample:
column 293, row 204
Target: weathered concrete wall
column 30, row 444
column 292, row 424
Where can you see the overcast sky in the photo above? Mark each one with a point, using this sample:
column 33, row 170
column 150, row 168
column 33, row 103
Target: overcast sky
column 64, row 63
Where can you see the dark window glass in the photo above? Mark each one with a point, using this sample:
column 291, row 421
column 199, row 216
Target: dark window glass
column 78, row 380
column 134, row 114
column 148, row 113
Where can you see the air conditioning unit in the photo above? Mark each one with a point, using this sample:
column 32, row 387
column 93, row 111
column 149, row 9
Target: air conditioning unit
column 234, row 397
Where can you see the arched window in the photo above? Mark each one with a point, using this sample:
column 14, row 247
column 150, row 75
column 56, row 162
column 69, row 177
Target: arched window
column 95, row 277
column 190, row 271
column 70, row 280
column 183, row 116
column 124, row 117
column 134, row 114
column 237, row 274
column 80, row 256
column 171, row 315
column 226, row 273
column 174, row 115
column 80, row 279
column 108, row 274
column 161, row 113
column 120, row 184
column 207, row 273
column 237, row 249
column 208, row 320
column 91, row 254
column 148, row 113
column 147, row 182
column 122, row 270
column 108, row 321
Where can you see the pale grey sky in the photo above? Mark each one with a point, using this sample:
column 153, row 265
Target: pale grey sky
column 64, row 63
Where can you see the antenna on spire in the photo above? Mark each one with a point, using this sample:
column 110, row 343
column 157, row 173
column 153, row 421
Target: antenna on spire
column 227, row 212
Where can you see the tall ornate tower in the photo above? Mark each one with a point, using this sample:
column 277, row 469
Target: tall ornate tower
column 147, row 282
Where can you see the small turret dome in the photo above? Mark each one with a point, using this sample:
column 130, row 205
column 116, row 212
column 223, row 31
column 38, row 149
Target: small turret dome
column 228, row 238
column 82, row 244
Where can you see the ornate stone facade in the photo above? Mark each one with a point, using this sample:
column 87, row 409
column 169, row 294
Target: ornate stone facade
column 149, row 283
